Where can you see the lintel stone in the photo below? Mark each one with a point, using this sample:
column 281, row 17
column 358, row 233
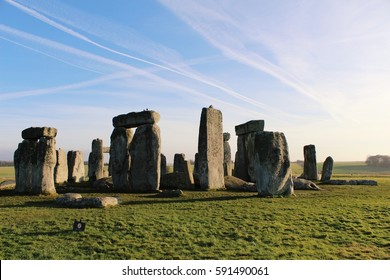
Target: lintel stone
column 135, row 119
column 35, row 133
column 248, row 127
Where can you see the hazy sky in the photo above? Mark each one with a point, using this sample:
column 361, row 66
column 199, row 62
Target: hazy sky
column 319, row 71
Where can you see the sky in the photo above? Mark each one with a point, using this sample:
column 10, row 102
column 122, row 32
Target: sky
column 318, row 71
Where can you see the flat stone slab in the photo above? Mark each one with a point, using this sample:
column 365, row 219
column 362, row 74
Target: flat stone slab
column 74, row 200
column 350, row 182
column 34, row 133
column 135, row 119
column 7, row 185
column 248, row 127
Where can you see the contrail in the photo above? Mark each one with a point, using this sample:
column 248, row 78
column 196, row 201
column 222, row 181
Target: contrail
column 181, row 73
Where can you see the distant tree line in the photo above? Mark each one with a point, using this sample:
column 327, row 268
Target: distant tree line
column 378, row 161
column 6, row 163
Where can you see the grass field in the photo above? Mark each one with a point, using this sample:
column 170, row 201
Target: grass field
column 340, row 222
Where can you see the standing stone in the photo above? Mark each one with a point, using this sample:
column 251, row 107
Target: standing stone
column 76, row 171
column 272, row 165
column 196, row 171
column 145, row 152
column 227, row 155
column 25, row 160
column 327, row 169
column 43, row 180
column 96, row 161
column 244, row 159
column 188, row 174
column 163, row 165
column 310, row 163
column 61, row 168
column 210, row 149
column 178, row 163
column 120, row 157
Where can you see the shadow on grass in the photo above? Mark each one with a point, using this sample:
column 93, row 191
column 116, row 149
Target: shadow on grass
column 158, row 200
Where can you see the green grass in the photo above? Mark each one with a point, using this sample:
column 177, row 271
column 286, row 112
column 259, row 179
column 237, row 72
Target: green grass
column 340, row 222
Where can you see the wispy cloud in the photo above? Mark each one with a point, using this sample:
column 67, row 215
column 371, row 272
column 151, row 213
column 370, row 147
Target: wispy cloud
column 172, row 61
column 291, row 41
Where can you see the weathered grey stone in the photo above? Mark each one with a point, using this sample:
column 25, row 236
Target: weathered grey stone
column 77, row 201
column 248, row 127
column 135, row 119
column 173, row 181
column 43, row 177
column 120, row 159
column 210, row 150
column 61, row 168
column 7, row 185
column 104, row 184
column 244, row 161
column 351, row 182
column 236, row 184
column 228, row 168
column 310, row 163
column 170, row 193
column 303, row 184
column 178, row 162
column 145, row 152
column 196, row 171
column 35, row 133
column 76, row 170
column 272, row 165
column 163, row 165
column 327, row 169
column 227, row 155
column 188, row 173
column 25, row 161
column 96, row 161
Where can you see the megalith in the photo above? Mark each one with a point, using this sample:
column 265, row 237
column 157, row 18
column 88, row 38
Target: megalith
column 272, row 165
column 76, row 170
column 96, row 161
column 135, row 119
column 327, row 169
column 244, row 158
column 178, row 162
column 120, row 159
column 210, row 149
column 310, row 163
column 163, row 165
column 61, row 168
column 227, row 155
column 43, row 181
column 25, row 161
column 145, row 153
column 35, row 160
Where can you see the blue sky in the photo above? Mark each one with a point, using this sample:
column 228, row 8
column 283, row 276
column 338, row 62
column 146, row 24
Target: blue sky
column 316, row 70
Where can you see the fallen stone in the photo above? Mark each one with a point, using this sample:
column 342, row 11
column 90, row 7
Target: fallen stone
column 236, row 184
column 170, row 193
column 303, row 184
column 350, row 182
column 135, row 119
column 73, row 200
column 35, row 133
column 104, row 184
column 7, row 185
column 248, row 127
column 176, row 180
